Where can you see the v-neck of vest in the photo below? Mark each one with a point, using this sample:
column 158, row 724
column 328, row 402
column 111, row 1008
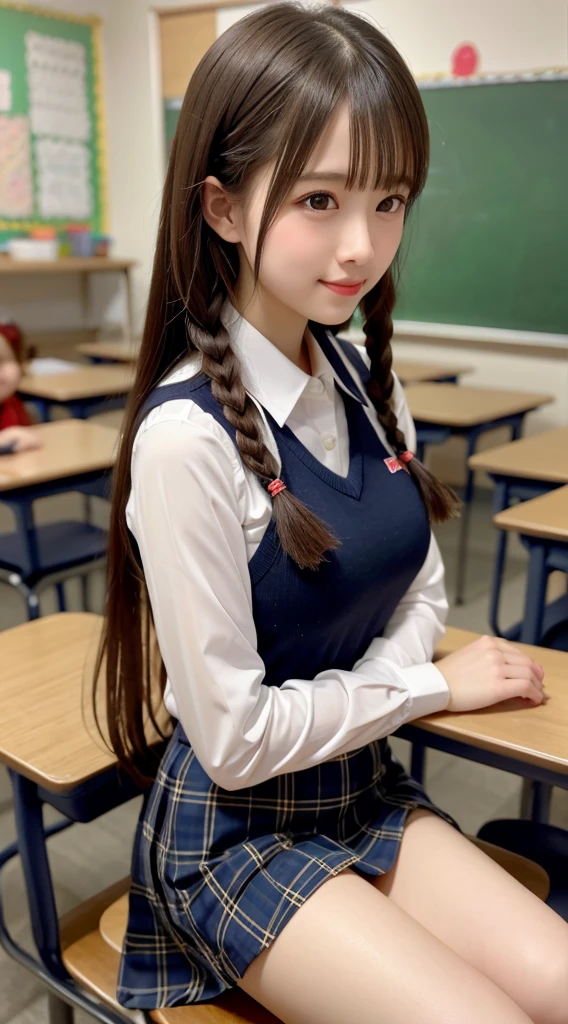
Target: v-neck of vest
column 352, row 484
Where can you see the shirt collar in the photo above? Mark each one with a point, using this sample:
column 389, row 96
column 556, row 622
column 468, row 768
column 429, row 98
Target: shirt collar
column 268, row 375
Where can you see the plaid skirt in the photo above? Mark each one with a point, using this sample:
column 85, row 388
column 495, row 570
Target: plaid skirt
column 217, row 875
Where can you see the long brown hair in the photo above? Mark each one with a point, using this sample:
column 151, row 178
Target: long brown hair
column 262, row 95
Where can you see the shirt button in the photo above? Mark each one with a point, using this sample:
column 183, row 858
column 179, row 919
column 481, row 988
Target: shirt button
column 316, row 386
column 329, row 442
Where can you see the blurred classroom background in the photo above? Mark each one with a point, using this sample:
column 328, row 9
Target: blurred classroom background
column 481, row 330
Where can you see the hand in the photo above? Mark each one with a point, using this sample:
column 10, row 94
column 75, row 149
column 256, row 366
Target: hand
column 24, row 438
column 488, row 671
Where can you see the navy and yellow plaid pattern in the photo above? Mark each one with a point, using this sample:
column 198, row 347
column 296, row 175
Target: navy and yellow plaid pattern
column 212, row 888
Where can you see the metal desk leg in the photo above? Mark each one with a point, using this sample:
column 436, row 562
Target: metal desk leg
column 535, row 800
column 64, row 992
column 23, row 512
column 500, row 502
column 28, row 811
column 464, row 521
column 531, row 630
column 42, row 407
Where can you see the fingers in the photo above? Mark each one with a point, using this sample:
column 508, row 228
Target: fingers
column 512, row 654
column 527, row 689
column 522, row 672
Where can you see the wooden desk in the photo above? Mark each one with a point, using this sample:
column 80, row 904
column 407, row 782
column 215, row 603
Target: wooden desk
column 76, row 456
column 440, row 410
column 546, row 516
column 409, row 372
column 70, row 448
column 542, row 524
column 456, row 405
column 48, row 660
column 530, row 741
column 47, row 727
column 75, row 265
column 110, row 351
column 541, row 457
column 522, row 470
column 80, row 391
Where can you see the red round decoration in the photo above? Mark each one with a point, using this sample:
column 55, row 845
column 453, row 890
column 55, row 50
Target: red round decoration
column 465, row 60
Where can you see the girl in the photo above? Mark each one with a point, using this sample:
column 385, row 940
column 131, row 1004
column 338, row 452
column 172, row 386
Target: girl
column 270, row 519
column 15, row 433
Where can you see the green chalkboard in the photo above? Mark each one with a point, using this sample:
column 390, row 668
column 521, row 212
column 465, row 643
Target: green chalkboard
column 52, row 152
column 487, row 243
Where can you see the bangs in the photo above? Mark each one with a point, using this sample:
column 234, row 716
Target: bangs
column 385, row 151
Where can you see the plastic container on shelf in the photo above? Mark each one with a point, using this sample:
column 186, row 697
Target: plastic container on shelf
column 101, row 245
column 33, row 248
column 80, row 240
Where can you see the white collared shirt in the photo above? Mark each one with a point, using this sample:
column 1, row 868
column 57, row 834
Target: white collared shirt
column 198, row 516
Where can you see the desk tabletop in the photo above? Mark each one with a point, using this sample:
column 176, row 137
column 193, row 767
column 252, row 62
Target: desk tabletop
column 47, row 730
column 456, row 405
column 45, row 675
column 86, row 382
column 545, row 516
column 541, row 457
column 65, row 265
column 121, row 351
column 409, row 372
column 535, row 735
column 69, row 447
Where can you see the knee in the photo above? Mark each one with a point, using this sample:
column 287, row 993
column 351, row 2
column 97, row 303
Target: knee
column 550, row 987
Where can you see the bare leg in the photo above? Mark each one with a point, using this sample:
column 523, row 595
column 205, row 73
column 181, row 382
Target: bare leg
column 350, row 954
column 484, row 914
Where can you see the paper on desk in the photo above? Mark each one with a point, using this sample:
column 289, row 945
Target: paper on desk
column 46, row 365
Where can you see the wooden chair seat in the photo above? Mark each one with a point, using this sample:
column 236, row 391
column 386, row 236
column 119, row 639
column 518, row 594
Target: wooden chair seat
column 92, row 935
column 94, row 962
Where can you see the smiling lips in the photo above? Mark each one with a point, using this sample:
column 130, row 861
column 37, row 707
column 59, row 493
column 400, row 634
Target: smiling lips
column 350, row 288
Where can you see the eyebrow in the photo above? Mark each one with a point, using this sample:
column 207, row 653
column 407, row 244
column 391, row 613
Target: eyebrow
column 337, row 176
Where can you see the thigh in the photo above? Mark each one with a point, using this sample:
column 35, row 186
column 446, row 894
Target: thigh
column 350, row 954
column 484, row 914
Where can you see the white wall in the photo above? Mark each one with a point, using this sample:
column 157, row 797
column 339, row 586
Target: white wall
column 511, row 35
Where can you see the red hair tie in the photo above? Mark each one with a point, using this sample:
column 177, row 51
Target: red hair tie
column 406, row 456
column 275, row 487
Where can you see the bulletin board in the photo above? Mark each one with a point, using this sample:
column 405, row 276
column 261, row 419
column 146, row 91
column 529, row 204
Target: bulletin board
column 52, row 129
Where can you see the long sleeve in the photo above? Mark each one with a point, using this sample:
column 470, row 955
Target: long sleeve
column 417, row 623
column 187, row 520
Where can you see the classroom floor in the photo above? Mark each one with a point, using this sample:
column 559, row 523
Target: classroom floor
column 87, row 858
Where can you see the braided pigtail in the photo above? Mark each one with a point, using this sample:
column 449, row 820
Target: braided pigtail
column 440, row 500
column 303, row 536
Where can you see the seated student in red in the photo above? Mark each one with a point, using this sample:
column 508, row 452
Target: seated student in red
column 15, row 432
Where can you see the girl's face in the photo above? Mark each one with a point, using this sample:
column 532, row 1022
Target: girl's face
column 323, row 233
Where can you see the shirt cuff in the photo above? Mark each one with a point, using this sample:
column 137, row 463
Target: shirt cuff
column 427, row 687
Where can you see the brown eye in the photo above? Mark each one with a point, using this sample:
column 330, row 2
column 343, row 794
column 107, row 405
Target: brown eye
column 319, row 200
column 390, row 205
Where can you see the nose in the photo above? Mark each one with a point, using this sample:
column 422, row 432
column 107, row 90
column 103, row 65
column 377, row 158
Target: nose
column 355, row 244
